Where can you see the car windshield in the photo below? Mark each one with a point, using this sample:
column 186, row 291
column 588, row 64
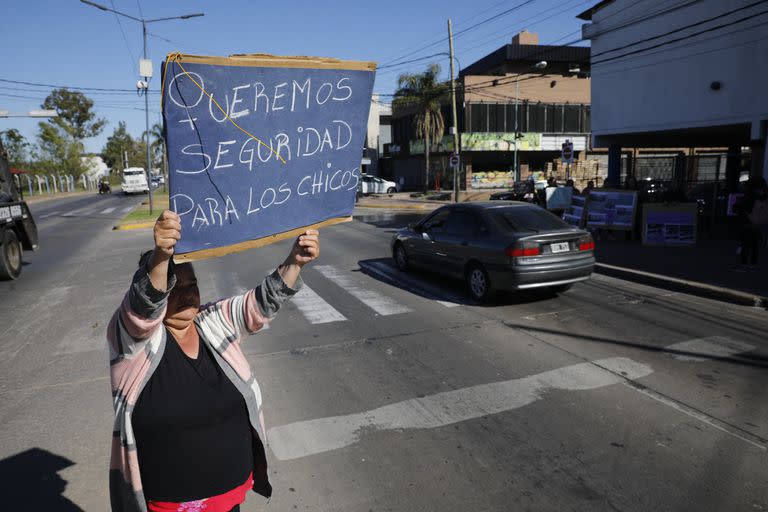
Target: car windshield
column 134, row 173
column 533, row 218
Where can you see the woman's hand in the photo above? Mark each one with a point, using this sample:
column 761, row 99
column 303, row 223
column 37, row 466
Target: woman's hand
column 306, row 248
column 167, row 233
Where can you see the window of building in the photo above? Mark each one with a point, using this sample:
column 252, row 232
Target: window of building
column 536, row 117
column 571, row 116
column 478, row 117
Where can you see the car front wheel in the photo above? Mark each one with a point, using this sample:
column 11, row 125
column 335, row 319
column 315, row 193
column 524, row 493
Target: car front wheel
column 478, row 283
column 401, row 258
column 391, row 190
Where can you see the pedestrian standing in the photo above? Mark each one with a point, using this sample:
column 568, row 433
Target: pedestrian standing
column 753, row 213
column 188, row 431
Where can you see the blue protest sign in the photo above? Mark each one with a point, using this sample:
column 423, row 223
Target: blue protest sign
column 261, row 147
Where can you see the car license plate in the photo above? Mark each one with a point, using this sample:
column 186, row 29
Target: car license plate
column 561, row 247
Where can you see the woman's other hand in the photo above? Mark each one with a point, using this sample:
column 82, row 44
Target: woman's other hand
column 167, row 232
column 306, row 248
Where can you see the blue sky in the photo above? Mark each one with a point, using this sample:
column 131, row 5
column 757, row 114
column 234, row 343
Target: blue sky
column 65, row 42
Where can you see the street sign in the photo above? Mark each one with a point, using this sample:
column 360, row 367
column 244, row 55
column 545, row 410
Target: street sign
column 454, row 161
column 567, row 152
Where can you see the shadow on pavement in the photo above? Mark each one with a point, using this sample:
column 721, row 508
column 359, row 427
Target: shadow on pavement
column 437, row 287
column 31, row 482
column 747, row 359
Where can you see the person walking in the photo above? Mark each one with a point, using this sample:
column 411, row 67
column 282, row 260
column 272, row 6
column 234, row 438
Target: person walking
column 188, row 431
column 753, row 212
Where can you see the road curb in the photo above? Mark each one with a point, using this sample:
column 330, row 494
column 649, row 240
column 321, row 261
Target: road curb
column 682, row 285
column 420, row 206
column 127, row 227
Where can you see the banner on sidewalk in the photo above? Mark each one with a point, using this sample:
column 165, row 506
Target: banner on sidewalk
column 261, row 147
column 669, row 224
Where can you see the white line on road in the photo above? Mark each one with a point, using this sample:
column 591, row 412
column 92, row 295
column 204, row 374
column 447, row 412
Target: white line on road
column 314, row 308
column 394, row 276
column 49, row 215
column 712, row 346
column 310, row 437
column 381, row 304
column 108, row 210
column 127, row 209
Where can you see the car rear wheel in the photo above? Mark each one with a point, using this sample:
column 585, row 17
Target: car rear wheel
column 401, row 258
column 391, row 190
column 478, row 283
column 10, row 256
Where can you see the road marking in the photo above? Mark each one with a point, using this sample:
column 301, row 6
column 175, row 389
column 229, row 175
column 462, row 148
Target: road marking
column 385, row 272
column 712, row 346
column 304, row 438
column 108, row 210
column 314, row 308
column 127, row 209
column 381, row 304
column 49, row 214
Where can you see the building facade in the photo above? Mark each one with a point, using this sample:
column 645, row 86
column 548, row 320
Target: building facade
column 689, row 74
column 522, row 96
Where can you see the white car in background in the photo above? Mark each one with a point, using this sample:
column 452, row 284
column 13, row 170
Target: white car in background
column 134, row 181
column 375, row 185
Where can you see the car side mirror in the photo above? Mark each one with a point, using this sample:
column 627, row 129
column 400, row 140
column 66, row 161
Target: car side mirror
column 416, row 228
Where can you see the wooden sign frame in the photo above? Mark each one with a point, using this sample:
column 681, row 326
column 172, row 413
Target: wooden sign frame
column 270, row 61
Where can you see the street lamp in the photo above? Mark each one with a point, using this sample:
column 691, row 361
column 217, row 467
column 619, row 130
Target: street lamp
column 31, row 113
column 538, row 67
column 146, row 70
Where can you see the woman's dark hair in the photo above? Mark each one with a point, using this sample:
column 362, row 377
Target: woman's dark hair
column 144, row 260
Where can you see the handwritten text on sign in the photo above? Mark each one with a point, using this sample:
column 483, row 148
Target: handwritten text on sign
column 228, row 187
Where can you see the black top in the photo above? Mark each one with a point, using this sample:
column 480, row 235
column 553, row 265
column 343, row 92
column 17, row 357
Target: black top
column 192, row 429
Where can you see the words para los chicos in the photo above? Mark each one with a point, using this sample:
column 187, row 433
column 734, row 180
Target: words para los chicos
column 254, row 105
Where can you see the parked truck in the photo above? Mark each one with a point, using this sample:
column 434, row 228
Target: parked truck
column 18, row 231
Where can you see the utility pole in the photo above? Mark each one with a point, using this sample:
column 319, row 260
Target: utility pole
column 455, row 127
column 145, row 67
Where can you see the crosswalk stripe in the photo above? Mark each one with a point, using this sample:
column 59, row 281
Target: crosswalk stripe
column 126, row 209
column 314, row 308
column 448, row 304
column 108, row 210
column 304, row 438
column 49, row 215
column 381, row 304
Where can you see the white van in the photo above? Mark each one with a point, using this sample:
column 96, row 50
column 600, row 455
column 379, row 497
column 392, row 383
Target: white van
column 134, row 180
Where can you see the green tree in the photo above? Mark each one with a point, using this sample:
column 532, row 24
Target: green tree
column 16, row 146
column 117, row 143
column 56, row 152
column 75, row 114
column 423, row 94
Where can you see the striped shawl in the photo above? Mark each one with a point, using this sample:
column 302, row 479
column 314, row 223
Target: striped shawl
column 136, row 340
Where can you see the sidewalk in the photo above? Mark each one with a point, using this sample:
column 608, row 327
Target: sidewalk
column 706, row 269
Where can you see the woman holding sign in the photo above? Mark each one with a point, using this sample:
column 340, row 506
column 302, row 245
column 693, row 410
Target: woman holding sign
column 188, row 426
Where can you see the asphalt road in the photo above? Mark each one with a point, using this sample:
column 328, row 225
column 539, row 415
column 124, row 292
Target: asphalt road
column 390, row 391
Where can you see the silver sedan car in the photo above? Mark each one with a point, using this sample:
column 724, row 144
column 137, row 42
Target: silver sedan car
column 495, row 246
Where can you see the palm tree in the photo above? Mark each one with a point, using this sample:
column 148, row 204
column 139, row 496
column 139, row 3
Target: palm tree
column 422, row 93
column 157, row 146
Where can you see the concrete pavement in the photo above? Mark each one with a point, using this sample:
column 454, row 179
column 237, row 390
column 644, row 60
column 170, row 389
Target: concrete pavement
column 612, row 396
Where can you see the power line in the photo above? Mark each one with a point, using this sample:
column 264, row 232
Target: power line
column 698, row 23
column 73, row 87
column 461, row 32
column 683, row 38
column 125, row 39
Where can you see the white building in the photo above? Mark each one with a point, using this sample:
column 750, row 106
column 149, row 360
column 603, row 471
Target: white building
column 378, row 134
column 680, row 74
